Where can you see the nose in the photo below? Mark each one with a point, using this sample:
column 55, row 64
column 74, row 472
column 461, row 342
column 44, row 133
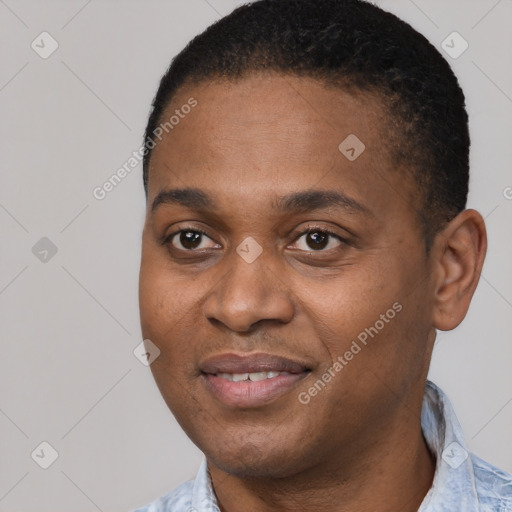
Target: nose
column 248, row 293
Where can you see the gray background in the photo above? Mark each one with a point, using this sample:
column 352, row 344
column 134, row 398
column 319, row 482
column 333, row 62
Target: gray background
column 70, row 324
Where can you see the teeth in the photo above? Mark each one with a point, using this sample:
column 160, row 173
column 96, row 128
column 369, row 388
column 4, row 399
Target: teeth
column 256, row 376
column 253, row 377
column 227, row 376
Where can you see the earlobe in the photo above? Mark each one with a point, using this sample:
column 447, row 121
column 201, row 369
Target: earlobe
column 459, row 253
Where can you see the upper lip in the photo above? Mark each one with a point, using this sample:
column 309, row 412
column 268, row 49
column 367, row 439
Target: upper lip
column 250, row 363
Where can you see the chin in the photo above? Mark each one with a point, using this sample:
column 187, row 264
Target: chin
column 265, row 458
column 261, row 466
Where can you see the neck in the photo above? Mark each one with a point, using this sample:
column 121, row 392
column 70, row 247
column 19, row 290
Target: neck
column 390, row 471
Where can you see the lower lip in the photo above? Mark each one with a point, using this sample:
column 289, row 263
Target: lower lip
column 251, row 394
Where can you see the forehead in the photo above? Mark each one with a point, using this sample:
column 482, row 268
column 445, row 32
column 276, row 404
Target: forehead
column 306, row 114
column 271, row 132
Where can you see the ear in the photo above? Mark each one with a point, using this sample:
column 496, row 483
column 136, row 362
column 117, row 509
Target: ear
column 459, row 254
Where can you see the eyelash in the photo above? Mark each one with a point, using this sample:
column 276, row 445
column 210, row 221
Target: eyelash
column 310, row 229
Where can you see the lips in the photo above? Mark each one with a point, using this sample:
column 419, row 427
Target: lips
column 251, row 380
column 250, row 363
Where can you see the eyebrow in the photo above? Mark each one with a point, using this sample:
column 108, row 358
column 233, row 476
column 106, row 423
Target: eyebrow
column 307, row 200
column 192, row 198
column 297, row 202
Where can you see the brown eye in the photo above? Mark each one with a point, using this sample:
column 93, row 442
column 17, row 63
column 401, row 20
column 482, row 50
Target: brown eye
column 317, row 240
column 189, row 240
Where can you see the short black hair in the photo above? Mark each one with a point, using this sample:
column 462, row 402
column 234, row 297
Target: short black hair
column 354, row 45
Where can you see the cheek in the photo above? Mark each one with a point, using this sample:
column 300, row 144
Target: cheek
column 163, row 299
column 152, row 300
column 369, row 317
column 349, row 304
column 162, row 321
column 168, row 311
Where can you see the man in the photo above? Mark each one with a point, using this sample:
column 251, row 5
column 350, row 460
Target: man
column 306, row 235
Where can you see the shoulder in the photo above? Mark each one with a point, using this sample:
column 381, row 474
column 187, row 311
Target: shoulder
column 178, row 500
column 493, row 485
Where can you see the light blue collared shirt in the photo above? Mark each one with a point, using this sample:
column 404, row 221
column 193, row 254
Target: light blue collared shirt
column 462, row 481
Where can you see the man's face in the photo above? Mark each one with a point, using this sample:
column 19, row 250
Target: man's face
column 219, row 309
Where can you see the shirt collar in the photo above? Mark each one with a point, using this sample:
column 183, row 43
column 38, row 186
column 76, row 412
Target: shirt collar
column 203, row 495
column 454, row 486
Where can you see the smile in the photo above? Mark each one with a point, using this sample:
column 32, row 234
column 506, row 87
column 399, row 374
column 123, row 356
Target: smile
column 247, row 381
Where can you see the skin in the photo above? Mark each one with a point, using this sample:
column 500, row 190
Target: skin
column 357, row 445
